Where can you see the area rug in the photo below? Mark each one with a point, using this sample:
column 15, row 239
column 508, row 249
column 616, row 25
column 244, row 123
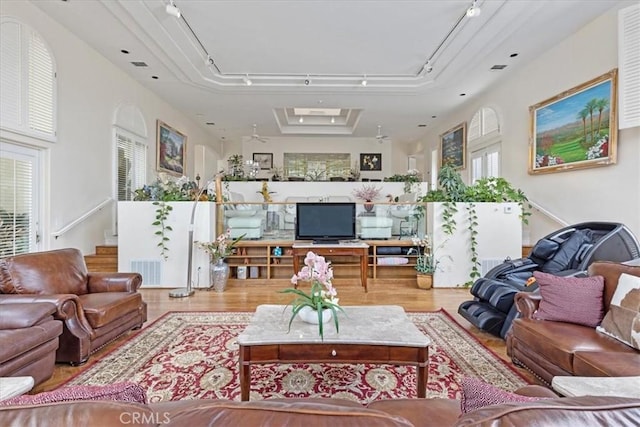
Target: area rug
column 194, row 355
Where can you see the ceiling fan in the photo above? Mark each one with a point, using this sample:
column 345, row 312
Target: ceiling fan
column 380, row 137
column 256, row 137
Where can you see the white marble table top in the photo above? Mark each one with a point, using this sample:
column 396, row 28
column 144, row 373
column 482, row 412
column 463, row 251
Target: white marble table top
column 14, row 386
column 369, row 325
column 597, row 386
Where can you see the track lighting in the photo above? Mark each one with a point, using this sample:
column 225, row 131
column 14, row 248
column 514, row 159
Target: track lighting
column 208, row 60
column 474, row 10
column 333, row 120
column 364, row 81
column 172, row 9
column 301, row 120
column 247, row 80
column 427, row 68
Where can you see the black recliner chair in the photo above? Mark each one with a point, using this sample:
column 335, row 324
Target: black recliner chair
column 566, row 252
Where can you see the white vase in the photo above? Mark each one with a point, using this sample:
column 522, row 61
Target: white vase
column 309, row 315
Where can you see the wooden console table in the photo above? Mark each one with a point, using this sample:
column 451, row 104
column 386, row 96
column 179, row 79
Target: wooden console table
column 359, row 249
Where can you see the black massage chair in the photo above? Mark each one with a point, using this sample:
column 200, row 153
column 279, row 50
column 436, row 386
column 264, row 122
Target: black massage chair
column 566, row 252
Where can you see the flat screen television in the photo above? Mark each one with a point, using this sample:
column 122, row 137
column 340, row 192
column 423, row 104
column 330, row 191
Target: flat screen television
column 325, row 222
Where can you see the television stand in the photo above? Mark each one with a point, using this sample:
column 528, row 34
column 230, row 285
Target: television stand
column 359, row 249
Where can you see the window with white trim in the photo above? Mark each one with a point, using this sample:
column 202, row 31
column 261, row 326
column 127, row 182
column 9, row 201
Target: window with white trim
column 28, row 81
column 485, row 144
column 131, row 164
column 19, row 213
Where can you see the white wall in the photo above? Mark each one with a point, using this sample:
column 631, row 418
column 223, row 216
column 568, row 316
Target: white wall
column 391, row 153
column 90, row 88
column 610, row 193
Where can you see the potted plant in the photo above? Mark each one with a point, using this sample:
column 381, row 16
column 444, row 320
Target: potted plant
column 320, row 305
column 452, row 191
column 368, row 193
column 426, row 263
column 218, row 250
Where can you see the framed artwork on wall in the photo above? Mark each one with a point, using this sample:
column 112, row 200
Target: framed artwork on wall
column 370, row 161
column 171, row 149
column 453, row 147
column 265, row 160
column 576, row 128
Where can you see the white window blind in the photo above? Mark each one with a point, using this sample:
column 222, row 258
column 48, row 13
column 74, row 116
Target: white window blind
column 629, row 66
column 27, row 74
column 18, row 223
column 132, row 161
column 484, row 122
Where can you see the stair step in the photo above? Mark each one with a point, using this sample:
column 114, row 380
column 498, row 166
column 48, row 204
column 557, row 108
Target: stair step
column 104, row 260
column 107, row 250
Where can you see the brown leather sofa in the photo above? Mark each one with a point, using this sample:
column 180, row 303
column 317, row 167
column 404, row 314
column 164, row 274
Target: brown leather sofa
column 28, row 340
column 548, row 348
column 575, row 411
column 96, row 308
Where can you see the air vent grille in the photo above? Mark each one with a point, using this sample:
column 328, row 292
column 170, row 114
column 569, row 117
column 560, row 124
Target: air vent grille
column 139, row 64
column 498, row 67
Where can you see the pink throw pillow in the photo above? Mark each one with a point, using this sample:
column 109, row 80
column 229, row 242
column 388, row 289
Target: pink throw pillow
column 123, row 392
column 570, row 299
column 478, row 394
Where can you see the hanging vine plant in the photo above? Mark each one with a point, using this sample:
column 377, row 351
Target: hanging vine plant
column 162, row 213
column 453, row 190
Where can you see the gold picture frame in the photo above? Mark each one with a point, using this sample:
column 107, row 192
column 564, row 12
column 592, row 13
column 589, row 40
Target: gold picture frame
column 171, row 149
column 453, row 147
column 577, row 128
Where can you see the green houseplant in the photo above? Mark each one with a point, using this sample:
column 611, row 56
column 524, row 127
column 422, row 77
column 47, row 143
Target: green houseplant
column 453, row 190
column 322, row 298
column 166, row 189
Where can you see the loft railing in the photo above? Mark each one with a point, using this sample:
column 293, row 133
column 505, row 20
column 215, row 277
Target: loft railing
column 548, row 214
column 82, row 217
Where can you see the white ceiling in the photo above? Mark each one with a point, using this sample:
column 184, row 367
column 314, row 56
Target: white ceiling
column 333, row 44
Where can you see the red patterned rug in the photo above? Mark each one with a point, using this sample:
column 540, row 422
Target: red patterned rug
column 194, row 355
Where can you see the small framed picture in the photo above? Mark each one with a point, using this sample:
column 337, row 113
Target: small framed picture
column 453, row 147
column 370, row 161
column 171, row 148
column 265, row 160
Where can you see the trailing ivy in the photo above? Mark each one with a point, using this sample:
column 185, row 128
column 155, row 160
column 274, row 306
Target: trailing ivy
column 162, row 213
column 453, row 190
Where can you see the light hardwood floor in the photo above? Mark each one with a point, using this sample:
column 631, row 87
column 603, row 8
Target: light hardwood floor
column 241, row 296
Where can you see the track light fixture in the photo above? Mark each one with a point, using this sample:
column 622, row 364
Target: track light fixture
column 333, row 120
column 364, row 81
column 427, row 68
column 307, row 81
column 247, row 80
column 173, row 10
column 301, row 120
column 474, row 10
column 208, row 60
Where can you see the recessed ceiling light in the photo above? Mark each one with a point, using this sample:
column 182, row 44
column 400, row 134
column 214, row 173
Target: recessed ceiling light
column 155, row 77
column 433, row 117
column 210, row 124
column 513, row 55
column 125, row 51
column 463, row 94
column 422, row 125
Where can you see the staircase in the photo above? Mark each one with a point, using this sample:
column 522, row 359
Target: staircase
column 104, row 260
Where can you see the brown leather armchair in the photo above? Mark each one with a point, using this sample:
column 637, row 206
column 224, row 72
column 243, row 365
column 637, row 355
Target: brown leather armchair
column 28, row 340
column 96, row 308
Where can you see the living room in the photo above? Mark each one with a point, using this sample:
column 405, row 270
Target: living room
column 91, row 90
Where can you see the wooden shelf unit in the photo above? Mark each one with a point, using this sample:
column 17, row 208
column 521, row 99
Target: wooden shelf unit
column 259, row 254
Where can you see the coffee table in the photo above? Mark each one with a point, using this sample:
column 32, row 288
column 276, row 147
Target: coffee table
column 381, row 334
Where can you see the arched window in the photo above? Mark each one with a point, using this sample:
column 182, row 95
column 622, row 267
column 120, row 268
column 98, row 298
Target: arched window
column 28, row 81
column 485, row 142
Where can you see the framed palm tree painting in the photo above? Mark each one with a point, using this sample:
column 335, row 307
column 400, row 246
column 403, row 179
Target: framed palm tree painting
column 575, row 129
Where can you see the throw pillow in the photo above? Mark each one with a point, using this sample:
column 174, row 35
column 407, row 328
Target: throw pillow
column 123, row 392
column 570, row 299
column 478, row 394
column 622, row 321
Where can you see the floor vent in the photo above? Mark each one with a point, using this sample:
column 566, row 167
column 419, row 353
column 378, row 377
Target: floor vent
column 151, row 271
column 488, row 263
